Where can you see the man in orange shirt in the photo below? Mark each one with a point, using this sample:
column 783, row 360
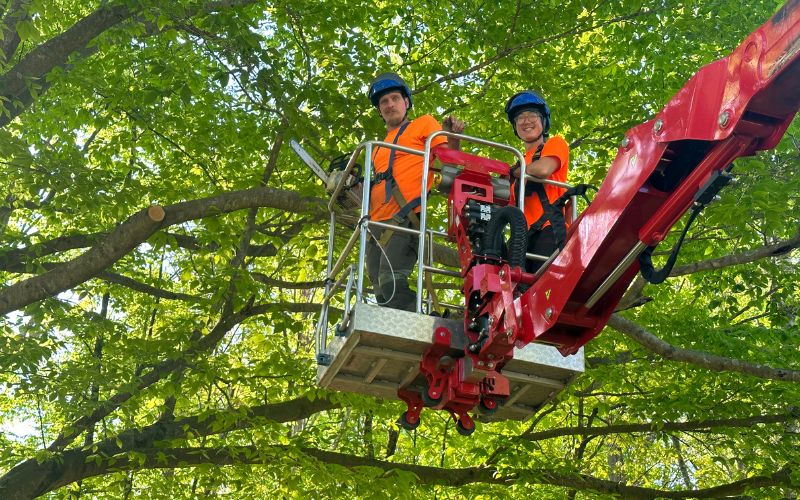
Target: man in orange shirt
column 396, row 189
column 545, row 158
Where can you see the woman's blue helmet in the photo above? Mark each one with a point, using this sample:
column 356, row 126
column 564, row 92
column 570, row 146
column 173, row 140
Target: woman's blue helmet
column 385, row 83
column 528, row 100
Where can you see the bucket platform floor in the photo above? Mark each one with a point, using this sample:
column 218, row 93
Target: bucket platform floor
column 381, row 351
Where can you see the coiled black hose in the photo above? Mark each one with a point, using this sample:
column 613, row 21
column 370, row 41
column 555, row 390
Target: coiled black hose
column 494, row 242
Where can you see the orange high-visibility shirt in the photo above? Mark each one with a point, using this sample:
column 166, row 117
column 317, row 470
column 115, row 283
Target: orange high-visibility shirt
column 558, row 148
column 407, row 168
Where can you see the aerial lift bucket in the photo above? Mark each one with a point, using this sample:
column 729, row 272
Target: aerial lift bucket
column 376, row 351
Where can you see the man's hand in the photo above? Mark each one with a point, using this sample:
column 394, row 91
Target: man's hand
column 453, row 124
column 351, row 192
column 333, row 180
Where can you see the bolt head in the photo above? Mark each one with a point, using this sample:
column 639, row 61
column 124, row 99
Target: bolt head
column 502, row 273
column 658, row 125
column 625, row 142
column 480, row 363
column 490, row 365
column 723, row 119
column 548, row 313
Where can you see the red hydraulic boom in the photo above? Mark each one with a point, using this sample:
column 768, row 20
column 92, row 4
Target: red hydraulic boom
column 732, row 107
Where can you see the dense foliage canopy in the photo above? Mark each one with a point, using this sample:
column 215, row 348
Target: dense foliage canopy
column 174, row 358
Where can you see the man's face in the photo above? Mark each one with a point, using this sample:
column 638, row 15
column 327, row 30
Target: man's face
column 529, row 125
column 392, row 107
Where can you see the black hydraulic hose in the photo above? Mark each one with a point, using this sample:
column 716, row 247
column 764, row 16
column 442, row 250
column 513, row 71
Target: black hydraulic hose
column 704, row 196
column 494, row 239
column 646, row 257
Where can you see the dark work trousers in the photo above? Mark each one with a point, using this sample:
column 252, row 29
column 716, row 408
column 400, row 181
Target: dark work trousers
column 390, row 278
column 541, row 242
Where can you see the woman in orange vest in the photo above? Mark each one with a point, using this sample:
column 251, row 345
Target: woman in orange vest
column 545, row 158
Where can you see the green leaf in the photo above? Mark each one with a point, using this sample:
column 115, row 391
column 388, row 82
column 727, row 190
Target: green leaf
column 27, row 32
column 162, row 21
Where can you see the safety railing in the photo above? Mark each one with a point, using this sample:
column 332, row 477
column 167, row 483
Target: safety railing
column 354, row 274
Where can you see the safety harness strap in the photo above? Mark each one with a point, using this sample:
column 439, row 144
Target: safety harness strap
column 551, row 212
column 555, row 211
column 386, row 176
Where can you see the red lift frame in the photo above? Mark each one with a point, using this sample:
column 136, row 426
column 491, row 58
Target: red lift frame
column 731, row 108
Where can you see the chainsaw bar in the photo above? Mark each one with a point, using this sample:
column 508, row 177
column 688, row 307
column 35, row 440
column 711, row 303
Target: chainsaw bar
column 320, row 172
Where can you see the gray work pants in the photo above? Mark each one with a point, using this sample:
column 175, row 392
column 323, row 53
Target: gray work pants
column 390, row 278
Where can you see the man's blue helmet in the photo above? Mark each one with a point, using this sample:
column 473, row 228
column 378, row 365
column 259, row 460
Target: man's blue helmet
column 385, row 83
column 525, row 101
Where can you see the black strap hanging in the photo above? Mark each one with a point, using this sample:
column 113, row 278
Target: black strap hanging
column 649, row 273
column 554, row 212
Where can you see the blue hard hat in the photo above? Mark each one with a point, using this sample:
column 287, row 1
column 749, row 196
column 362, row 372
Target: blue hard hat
column 527, row 100
column 385, row 83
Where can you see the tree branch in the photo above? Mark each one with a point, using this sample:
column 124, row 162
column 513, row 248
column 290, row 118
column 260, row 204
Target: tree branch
column 697, row 358
column 137, row 229
column 633, row 297
column 33, row 478
column 53, row 53
column 625, row 428
column 779, row 249
column 288, row 285
column 171, row 458
column 527, row 45
column 164, row 368
column 145, row 288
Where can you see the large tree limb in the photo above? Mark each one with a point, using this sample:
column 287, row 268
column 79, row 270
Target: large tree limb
column 171, row 458
column 137, row 229
column 53, row 53
column 698, row 358
column 72, row 465
column 32, row 478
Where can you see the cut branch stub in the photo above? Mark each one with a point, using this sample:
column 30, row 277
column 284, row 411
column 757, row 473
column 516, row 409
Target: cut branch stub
column 156, row 213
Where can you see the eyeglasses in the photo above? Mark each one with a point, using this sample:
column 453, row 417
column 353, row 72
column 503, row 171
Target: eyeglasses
column 528, row 116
